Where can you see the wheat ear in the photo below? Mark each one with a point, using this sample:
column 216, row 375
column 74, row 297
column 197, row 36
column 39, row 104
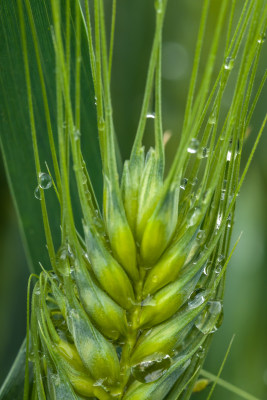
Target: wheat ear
column 129, row 307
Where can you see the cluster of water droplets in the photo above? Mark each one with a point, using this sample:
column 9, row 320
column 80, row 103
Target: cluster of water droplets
column 218, row 266
column 44, row 182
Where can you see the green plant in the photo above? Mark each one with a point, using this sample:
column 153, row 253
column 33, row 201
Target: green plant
column 131, row 305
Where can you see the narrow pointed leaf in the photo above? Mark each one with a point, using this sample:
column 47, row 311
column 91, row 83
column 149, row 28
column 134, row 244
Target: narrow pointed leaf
column 15, row 134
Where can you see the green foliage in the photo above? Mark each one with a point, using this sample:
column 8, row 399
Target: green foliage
column 16, row 140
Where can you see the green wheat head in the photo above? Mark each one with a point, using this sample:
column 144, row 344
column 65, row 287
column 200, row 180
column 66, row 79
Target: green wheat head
column 129, row 306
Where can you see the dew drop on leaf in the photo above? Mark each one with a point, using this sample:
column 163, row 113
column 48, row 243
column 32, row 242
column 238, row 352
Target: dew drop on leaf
column 207, row 320
column 207, row 268
column 37, row 193
column 193, row 146
column 215, row 307
column 203, row 152
column 151, row 370
column 229, row 221
column 219, row 221
column 150, row 115
column 194, row 181
column 197, row 298
column 212, row 119
column 183, row 183
column 158, row 6
column 229, row 155
column 229, row 63
column 218, row 269
column 45, row 181
column 262, row 38
column 201, row 235
column 220, row 258
column 194, row 217
column 200, row 352
column 77, row 134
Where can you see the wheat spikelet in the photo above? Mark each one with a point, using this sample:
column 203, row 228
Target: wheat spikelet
column 129, row 309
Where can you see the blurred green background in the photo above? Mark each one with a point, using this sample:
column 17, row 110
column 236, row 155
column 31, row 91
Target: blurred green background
column 245, row 306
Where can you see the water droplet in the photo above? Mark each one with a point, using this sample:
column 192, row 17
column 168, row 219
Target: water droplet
column 151, row 115
column 219, row 221
column 203, row 152
column 194, row 218
column 229, row 63
column 37, row 193
column 194, row 181
column 218, row 269
column 205, row 197
column 101, row 124
column 151, row 370
column 200, row 352
column 196, row 299
column 229, row 221
column 229, row 155
column 45, row 181
column 212, row 119
column 102, row 383
column 201, row 235
column 65, row 259
column 84, row 178
column 215, row 307
column 77, row 134
column 224, row 185
column 95, row 100
column 183, row 183
column 31, row 356
column 193, row 146
column 220, row 258
column 207, row 268
column 158, row 6
column 262, row 38
column 55, row 379
column 207, row 320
